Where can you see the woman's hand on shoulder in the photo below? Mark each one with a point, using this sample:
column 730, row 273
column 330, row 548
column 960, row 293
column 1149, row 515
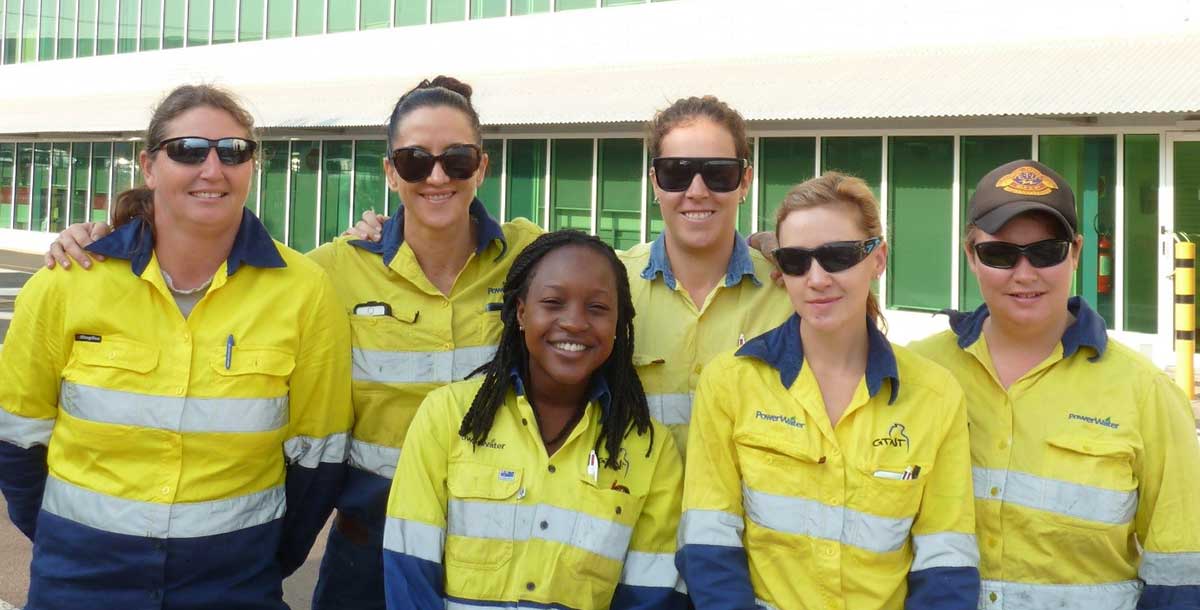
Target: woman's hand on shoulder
column 71, row 242
column 369, row 228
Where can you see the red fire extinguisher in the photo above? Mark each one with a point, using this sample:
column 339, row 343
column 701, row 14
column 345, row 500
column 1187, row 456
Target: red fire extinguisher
column 1104, row 273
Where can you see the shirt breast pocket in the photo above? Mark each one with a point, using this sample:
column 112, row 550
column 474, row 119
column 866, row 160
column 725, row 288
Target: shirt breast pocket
column 780, row 466
column 600, row 538
column 113, row 362
column 481, row 515
column 1089, row 480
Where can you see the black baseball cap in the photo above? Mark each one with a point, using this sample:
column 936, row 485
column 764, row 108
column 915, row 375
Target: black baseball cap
column 1018, row 187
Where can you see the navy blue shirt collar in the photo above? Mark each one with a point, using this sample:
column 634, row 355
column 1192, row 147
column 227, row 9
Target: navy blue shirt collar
column 597, row 390
column 782, row 348
column 392, row 236
column 740, row 263
column 133, row 241
column 1088, row 329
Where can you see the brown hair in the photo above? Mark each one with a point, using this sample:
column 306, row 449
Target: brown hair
column 688, row 109
column 138, row 202
column 849, row 193
column 441, row 91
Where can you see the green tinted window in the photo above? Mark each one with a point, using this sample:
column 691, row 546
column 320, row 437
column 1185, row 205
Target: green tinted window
column 106, row 30
column 566, row 5
column 526, row 161
column 122, row 167
column 85, row 42
column 66, row 29
column 24, row 177
column 335, row 194
column 341, row 15
column 12, row 30
column 448, row 10
column 273, row 202
column 198, row 22
column 571, row 184
column 101, row 175
column 526, row 7
column 29, row 30
column 279, row 19
column 251, row 20
column 81, row 178
column 39, row 210
column 370, row 185
column 411, row 12
column 1089, row 164
column 1186, row 185
column 1141, row 233
column 310, row 17
column 619, row 194
column 224, row 27
column 60, row 177
column 782, row 163
column 151, row 24
column 8, row 167
column 859, row 157
column 373, row 14
column 252, row 192
column 174, row 20
column 127, row 38
column 49, row 30
column 980, row 155
column 920, row 220
column 481, row 9
column 306, row 160
column 489, row 191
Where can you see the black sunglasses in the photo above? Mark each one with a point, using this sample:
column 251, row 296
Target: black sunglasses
column 720, row 174
column 193, row 150
column 416, row 164
column 834, row 256
column 1040, row 254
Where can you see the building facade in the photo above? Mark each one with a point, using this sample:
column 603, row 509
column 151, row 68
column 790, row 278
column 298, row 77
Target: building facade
column 919, row 99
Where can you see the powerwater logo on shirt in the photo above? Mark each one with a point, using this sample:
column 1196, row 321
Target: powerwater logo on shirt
column 779, row 419
column 1107, row 422
column 896, row 437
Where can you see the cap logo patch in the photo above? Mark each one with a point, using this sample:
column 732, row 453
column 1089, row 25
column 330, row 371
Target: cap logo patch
column 1026, row 180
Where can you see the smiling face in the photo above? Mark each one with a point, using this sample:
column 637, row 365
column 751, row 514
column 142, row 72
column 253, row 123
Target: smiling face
column 698, row 219
column 206, row 198
column 1025, row 296
column 569, row 315
column 829, row 301
column 438, row 202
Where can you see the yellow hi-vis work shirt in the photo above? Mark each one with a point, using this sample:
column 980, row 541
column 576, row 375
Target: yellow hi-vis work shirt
column 783, row 511
column 1086, row 458
column 677, row 337
column 409, row 338
column 185, row 463
column 504, row 525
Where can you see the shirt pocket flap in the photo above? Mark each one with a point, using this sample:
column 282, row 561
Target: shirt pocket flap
column 483, row 481
column 254, row 361
column 1091, row 446
column 776, row 449
column 647, row 359
column 117, row 353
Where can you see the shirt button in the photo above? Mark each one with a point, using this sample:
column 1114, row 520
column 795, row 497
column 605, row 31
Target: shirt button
column 529, row 586
column 544, row 525
column 445, row 304
column 520, row 493
column 829, row 551
column 698, row 368
column 618, row 510
column 166, row 490
column 179, row 391
column 992, row 596
column 1004, row 444
column 447, row 345
column 995, row 491
column 524, row 422
column 551, row 468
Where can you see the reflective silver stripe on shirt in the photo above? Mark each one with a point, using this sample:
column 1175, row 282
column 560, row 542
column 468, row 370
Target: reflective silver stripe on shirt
column 806, row 517
column 670, row 409
column 764, row 605
column 454, row 604
column 524, row 522
column 419, row 367
column 649, row 570
column 1170, row 569
column 414, row 538
column 24, row 432
column 1061, row 497
column 311, row 451
column 711, row 527
column 945, row 550
column 1022, row 596
column 175, row 413
column 376, row 459
column 154, row 520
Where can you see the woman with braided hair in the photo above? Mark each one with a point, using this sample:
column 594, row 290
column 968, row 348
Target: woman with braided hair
column 543, row 479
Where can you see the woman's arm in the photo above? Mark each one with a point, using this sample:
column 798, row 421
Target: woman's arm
column 649, row 580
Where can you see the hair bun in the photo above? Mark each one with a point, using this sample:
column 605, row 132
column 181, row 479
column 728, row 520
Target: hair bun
column 451, row 83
